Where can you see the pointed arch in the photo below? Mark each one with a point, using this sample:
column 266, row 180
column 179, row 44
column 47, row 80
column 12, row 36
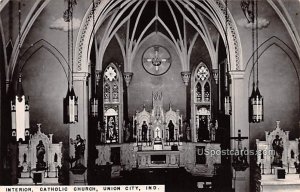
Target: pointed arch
column 112, row 101
column 200, row 101
column 35, row 48
column 103, row 9
column 275, row 41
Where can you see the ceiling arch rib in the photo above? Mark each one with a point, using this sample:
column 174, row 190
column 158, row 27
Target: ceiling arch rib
column 199, row 30
column 231, row 39
column 204, row 28
column 178, row 50
column 114, row 25
column 102, row 41
column 193, row 12
column 119, row 40
column 111, row 30
column 124, row 13
column 26, row 26
column 181, row 39
column 181, row 45
column 3, row 4
column 218, row 22
column 135, row 26
column 103, row 10
column 213, row 49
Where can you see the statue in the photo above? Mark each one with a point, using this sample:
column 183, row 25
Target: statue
column 24, row 158
column 79, row 145
column 203, row 133
column 171, row 130
column 144, row 131
column 40, row 152
column 278, row 148
column 112, row 132
column 24, row 164
column 127, row 132
column 188, row 132
column 212, row 131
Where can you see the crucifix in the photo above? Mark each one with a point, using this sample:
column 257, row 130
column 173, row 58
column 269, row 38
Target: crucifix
column 156, row 60
column 239, row 138
column 157, row 133
column 239, row 162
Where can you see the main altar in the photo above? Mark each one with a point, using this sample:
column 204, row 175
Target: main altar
column 157, row 129
column 158, row 144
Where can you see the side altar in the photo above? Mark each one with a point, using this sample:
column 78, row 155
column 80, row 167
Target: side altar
column 39, row 160
column 278, row 161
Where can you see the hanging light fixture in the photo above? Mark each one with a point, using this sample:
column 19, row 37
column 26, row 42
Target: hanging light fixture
column 94, row 101
column 71, row 100
column 256, row 99
column 227, row 97
column 20, row 113
column 19, row 104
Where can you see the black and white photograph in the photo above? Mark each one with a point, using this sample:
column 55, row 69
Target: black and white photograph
column 150, row 95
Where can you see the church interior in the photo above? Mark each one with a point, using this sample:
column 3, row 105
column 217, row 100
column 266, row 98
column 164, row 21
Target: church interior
column 195, row 95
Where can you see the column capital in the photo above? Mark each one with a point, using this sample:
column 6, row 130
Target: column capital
column 237, row 74
column 186, row 76
column 80, row 76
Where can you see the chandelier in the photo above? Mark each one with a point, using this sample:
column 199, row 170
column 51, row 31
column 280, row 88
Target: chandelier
column 227, row 97
column 256, row 99
column 71, row 100
column 19, row 103
column 94, row 101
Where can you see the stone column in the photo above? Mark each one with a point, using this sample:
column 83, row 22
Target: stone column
column 81, row 127
column 239, row 120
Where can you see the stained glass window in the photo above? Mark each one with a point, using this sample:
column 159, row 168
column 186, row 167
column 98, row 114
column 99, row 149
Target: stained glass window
column 198, row 92
column 110, row 74
column 201, row 98
column 202, row 84
column 206, row 92
column 115, row 92
column 106, row 93
column 202, row 73
column 112, row 102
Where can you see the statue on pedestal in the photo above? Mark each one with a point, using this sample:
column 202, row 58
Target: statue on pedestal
column 40, row 153
column 277, row 145
column 79, row 145
column 212, row 129
column 171, row 130
column 144, row 131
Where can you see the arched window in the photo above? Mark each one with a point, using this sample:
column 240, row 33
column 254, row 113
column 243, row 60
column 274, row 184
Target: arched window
column 201, row 102
column 198, row 92
column 202, row 84
column 206, row 92
column 112, row 103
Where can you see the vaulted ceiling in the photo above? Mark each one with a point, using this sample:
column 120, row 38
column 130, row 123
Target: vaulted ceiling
column 181, row 22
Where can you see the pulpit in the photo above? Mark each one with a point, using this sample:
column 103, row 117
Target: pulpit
column 39, row 160
column 278, row 158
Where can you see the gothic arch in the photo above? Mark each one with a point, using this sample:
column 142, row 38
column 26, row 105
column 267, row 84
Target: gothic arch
column 85, row 34
column 275, row 41
column 35, row 48
column 35, row 11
